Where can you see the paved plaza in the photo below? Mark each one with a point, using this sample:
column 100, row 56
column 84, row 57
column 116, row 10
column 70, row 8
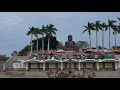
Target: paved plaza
column 42, row 74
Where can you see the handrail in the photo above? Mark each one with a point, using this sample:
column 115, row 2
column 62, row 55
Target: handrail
column 7, row 64
column 8, row 59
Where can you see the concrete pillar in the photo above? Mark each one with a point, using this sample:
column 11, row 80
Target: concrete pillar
column 26, row 66
column 119, row 64
column 116, row 67
column 97, row 65
column 61, row 66
column 79, row 65
column 43, row 66
column 21, row 65
column 3, row 66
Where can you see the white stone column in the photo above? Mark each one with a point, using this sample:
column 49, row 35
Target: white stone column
column 3, row 66
column 22, row 65
column 79, row 65
column 116, row 67
column 119, row 64
column 26, row 66
column 97, row 65
column 61, row 66
column 44, row 66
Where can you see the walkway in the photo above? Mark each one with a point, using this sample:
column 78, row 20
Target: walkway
column 42, row 74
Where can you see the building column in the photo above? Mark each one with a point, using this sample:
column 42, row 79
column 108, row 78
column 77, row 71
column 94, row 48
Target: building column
column 116, row 67
column 97, row 65
column 79, row 65
column 44, row 66
column 61, row 66
column 26, row 66
column 22, row 65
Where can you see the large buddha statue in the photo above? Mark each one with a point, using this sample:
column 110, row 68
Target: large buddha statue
column 70, row 45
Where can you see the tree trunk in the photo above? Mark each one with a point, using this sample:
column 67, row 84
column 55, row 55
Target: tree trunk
column 31, row 44
column 42, row 42
column 96, row 40
column 37, row 44
column 109, row 39
column 90, row 40
column 115, row 39
column 103, row 39
column 48, row 43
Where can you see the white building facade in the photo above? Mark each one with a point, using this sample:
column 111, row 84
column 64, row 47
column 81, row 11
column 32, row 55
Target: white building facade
column 107, row 64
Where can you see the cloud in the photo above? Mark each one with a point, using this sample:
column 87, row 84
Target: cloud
column 9, row 20
column 14, row 26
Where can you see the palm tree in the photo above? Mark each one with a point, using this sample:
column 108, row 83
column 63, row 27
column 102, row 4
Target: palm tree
column 43, row 32
column 115, row 31
column 31, row 32
column 118, row 29
column 36, row 35
column 118, row 25
column 50, row 31
column 110, row 25
column 103, row 28
column 88, row 29
column 118, row 19
column 96, row 26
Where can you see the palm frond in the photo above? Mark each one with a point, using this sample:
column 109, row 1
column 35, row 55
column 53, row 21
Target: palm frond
column 118, row 18
column 84, row 30
column 28, row 33
column 85, row 26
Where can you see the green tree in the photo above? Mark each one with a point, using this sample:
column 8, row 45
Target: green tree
column 96, row 26
column 88, row 29
column 31, row 32
column 115, row 31
column 110, row 26
column 14, row 53
column 43, row 33
column 118, row 27
column 103, row 28
column 60, row 46
column 24, row 51
column 82, row 44
column 36, row 34
column 50, row 31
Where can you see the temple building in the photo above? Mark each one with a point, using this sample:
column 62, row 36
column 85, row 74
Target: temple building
column 62, row 59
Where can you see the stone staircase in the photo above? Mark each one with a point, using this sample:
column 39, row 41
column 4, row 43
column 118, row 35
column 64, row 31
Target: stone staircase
column 8, row 64
column 34, row 74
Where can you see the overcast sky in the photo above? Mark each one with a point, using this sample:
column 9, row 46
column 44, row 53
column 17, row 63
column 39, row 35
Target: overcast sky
column 14, row 26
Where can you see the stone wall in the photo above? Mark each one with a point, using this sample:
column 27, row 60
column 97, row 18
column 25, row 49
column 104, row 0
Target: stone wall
column 109, row 65
column 16, row 65
column 89, row 65
column 34, row 65
column 52, row 65
column 102, row 65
